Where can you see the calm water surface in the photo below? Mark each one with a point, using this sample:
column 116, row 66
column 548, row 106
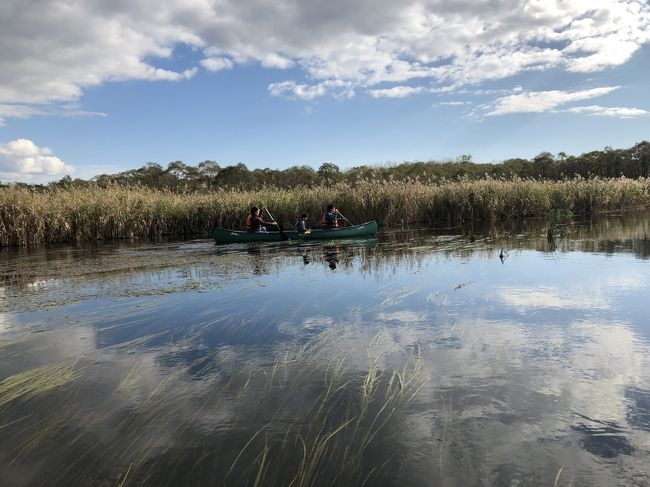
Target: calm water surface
column 417, row 358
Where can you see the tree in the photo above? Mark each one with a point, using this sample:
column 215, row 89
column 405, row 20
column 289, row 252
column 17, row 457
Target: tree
column 234, row 176
column 329, row 172
column 208, row 171
column 151, row 175
column 640, row 156
column 178, row 169
column 299, row 176
column 544, row 164
column 65, row 182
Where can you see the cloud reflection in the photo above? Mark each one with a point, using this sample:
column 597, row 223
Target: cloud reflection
column 524, row 299
column 599, row 294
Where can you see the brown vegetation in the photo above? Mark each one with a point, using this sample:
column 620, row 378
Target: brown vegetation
column 29, row 216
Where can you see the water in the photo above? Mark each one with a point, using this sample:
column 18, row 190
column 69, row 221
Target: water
column 417, row 358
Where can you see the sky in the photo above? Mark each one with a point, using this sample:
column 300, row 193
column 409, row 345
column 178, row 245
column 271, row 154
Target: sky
column 101, row 86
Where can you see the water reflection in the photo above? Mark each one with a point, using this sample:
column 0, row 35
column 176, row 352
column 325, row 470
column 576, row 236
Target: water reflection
column 332, row 254
column 421, row 358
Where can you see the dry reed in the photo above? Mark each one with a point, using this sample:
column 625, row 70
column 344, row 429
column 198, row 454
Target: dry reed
column 30, row 217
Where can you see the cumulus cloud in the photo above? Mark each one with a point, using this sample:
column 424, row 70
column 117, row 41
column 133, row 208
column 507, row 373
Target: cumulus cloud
column 543, row 101
column 59, row 48
column 614, row 112
column 23, row 159
column 216, row 63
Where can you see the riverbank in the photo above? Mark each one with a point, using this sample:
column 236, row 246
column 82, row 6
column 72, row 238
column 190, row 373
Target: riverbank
column 29, row 217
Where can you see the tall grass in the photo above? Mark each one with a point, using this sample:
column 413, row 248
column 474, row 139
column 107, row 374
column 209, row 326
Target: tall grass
column 29, row 217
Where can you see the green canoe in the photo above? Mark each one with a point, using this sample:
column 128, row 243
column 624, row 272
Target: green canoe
column 222, row 235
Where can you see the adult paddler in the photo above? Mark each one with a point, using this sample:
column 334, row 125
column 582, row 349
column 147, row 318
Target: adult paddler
column 330, row 219
column 255, row 222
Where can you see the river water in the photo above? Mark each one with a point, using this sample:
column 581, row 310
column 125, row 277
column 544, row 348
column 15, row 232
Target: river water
column 499, row 355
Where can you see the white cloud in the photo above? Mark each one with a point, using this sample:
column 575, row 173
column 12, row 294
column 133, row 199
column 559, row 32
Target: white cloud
column 608, row 36
column 454, row 103
column 18, row 111
column 22, row 159
column 299, row 91
column 396, row 92
column 295, row 90
column 60, row 48
column 27, row 111
column 216, row 63
column 614, row 112
column 274, row 60
column 542, row 101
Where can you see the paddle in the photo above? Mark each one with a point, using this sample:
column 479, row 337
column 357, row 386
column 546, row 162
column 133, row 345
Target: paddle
column 343, row 216
column 283, row 236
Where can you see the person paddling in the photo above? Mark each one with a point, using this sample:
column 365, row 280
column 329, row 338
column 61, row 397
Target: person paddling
column 255, row 223
column 302, row 225
column 330, row 218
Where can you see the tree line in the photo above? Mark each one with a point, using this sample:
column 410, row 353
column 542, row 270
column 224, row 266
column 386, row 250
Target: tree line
column 209, row 175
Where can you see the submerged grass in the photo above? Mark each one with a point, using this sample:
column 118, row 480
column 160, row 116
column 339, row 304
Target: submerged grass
column 37, row 381
column 304, row 419
column 331, row 438
column 29, row 217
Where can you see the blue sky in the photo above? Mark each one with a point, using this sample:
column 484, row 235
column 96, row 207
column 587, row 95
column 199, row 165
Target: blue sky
column 93, row 86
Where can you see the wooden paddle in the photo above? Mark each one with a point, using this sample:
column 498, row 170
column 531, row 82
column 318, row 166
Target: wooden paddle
column 343, row 216
column 283, row 236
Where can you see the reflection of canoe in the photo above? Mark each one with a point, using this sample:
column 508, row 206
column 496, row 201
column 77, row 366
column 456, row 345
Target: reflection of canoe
column 222, row 235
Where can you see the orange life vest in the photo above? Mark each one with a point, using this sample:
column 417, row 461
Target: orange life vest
column 323, row 220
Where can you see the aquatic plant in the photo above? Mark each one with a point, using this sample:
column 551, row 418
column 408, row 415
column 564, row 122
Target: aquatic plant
column 305, row 419
column 37, row 381
column 329, row 442
column 29, row 216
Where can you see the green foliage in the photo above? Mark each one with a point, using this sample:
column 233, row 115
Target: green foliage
column 209, row 175
column 330, row 173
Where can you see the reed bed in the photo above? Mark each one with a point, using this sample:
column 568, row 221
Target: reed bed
column 30, row 217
